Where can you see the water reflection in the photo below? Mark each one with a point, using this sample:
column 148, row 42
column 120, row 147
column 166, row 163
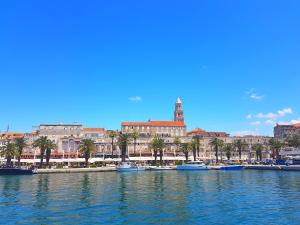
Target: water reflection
column 10, row 190
column 210, row 197
column 86, row 191
column 42, row 192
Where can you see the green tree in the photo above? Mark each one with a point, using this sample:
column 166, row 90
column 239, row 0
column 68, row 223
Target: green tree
column 41, row 143
column 194, row 146
column 113, row 135
column 293, row 141
column 217, row 144
column 86, row 148
column 240, row 146
column 158, row 144
column 177, row 143
column 275, row 146
column 186, row 148
column 20, row 144
column 9, row 151
column 135, row 135
column 198, row 139
column 123, row 141
column 258, row 148
column 228, row 148
column 49, row 147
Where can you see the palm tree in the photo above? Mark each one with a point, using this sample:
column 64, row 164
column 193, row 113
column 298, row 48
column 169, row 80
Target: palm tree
column 177, row 142
column 194, row 146
column 123, row 141
column 293, row 141
column 198, row 138
column 275, row 146
column 112, row 135
column 216, row 144
column 228, row 149
column 258, row 148
column 49, row 147
column 154, row 146
column 87, row 147
column 158, row 144
column 135, row 135
column 186, row 148
column 41, row 143
column 240, row 146
column 21, row 144
column 8, row 151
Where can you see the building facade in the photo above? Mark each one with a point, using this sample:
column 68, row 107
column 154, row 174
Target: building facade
column 67, row 138
column 284, row 131
column 164, row 129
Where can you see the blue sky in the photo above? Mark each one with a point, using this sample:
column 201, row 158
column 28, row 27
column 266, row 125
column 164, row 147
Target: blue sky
column 235, row 64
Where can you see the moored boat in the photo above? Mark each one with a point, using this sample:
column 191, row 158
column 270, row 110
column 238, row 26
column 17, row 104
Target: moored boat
column 231, row 167
column 128, row 167
column 16, row 171
column 159, row 168
column 195, row 165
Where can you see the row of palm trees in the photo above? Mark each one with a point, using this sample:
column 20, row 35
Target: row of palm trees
column 15, row 149
column 275, row 145
column 87, row 147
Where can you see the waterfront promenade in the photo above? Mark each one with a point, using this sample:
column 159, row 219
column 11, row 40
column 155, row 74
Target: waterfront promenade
column 112, row 169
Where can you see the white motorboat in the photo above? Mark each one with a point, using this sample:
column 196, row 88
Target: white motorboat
column 161, row 168
column 194, row 165
column 128, row 167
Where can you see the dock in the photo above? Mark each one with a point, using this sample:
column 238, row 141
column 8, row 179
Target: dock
column 274, row 167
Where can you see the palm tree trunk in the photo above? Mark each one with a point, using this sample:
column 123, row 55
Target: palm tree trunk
column 217, row 154
column 86, row 161
column 160, row 156
column 134, row 147
column 186, row 156
column 277, row 154
column 194, row 154
column 155, row 157
column 42, row 158
column 112, row 148
column 123, row 153
column 19, row 161
column 8, row 161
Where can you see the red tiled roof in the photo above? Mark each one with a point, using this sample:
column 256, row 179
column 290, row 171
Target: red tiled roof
column 156, row 124
column 296, row 125
column 11, row 135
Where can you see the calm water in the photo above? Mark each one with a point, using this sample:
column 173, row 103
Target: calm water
column 170, row 197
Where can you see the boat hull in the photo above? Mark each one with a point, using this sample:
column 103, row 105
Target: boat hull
column 15, row 171
column 231, row 168
column 130, row 169
column 184, row 167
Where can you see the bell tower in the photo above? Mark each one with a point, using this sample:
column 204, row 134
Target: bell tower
column 178, row 114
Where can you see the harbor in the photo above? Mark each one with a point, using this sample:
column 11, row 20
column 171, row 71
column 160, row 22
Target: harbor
column 168, row 168
column 163, row 197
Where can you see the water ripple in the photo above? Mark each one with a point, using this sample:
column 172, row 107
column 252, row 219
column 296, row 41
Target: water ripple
column 204, row 197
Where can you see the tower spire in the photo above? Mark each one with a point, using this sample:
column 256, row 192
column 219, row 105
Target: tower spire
column 178, row 113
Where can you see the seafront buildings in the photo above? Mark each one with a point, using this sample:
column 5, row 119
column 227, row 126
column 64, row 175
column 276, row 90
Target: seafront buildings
column 67, row 137
column 283, row 131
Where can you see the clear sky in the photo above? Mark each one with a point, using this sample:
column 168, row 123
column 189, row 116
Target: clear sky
column 235, row 64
